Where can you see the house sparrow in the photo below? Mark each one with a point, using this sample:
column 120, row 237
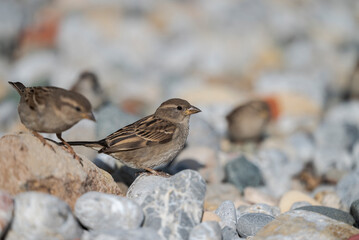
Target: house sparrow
column 88, row 85
column 248, row 121
column 51, row 110
column 151, row 141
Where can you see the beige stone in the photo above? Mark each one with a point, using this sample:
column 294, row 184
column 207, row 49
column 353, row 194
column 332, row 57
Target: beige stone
column 300, row 224
column 28, row 165
column 291, row 197
column 254, row 196
column 210, row 216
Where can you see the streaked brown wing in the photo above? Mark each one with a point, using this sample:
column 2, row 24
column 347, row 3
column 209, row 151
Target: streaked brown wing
column 36, row 96
column 147, row 131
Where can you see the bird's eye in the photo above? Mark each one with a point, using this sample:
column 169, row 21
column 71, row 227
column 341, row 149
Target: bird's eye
column 78, row 109
column 179, row 108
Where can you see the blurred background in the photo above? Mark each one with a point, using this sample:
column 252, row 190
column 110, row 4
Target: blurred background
column 299, row 55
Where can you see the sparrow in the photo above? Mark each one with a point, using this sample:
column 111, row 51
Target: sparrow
column 152, row 141
column 89, row 86
column 248, row 121
column 51, row 110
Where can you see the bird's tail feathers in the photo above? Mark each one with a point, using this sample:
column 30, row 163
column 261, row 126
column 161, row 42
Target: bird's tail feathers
column 96, row 145
column 20, row 88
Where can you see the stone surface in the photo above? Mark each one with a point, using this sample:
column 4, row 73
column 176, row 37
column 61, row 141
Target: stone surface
column 292, row 197
column 210, row 216
column 300, row 224
column 202, row 159
column 254, row 195
column 27, row 165
column 348, row 188
column 143, row 186
column 336, row 214
column 230, row 234
column 354, row 211
column 206, row 231
column 243, row 173
column 227, row 212
column 219, row 192
column 6, row 211
column 115, row 212
column 249, row 224
column 42, row 216
column 176, row 205
column 258, row 208
column 121, row 234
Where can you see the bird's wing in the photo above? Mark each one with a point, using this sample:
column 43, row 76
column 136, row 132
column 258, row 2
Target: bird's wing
column 35, row 96
column 145, row 132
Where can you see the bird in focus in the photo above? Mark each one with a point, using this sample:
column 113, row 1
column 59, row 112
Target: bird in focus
column 248, row 121
column 51, row 110
column 89, row 86
column 152, row 141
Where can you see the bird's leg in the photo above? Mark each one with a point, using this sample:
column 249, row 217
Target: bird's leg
column 42, row 139
column 69, row 148
column 157, row 173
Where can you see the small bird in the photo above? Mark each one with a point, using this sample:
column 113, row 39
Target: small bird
column 248, row 121
column 89, row 86
column 152, row 141
column 51, row 110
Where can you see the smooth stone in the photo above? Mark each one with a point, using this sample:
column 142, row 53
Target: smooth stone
column 206, row 231
column 300, row 224
column 6, row 210
column 143, row 186
column 329, row 199
column 243, row 173
column 202, row 159
column 354, row 211
column 249, row 224
column 121, row 234
column 42, row 216
column 291, row 197
column 218, row 192
column 227, row 212
column 114, row 211
column 230, row 234
column 176, row 205
column 348, row 188
column 258, row 208
column 28, row 165
column 336, row 214
column 210, row 216
column 254, row 195
column 299, row 205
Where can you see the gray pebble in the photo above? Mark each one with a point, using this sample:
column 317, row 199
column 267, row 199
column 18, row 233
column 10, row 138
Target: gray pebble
column 176, row 206
column 227, row 212
column 206, row 231
column 250, row 223
column 258, row 208
column 333, row 213
column 230, row 234
column 112, row 211
column 354, row 211
column 42, row 216
column 300, row 204
column 243, row 173
column 122, row 234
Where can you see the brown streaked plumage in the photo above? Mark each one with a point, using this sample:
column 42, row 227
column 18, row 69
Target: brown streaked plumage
column 51, row 110
column 248, row 121
column 151, row 141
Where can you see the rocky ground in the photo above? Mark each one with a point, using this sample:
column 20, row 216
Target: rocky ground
column 300, row 182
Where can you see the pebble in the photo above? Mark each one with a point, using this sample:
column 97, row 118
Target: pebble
column 348, row 188
column 230, row 234
column 291, row 197
column 114, row 211
column 354, row 211
column 6, row 210
column 121, row 234
column 176, row 205
column 249, row 224
column 336, row 214
column 243, row 173
column 300, row 224
column 258, row 208
column 206, row 231
column 42, row 216
column 210, row 216
column 202, row 159
column 218, row 192
column 227, row 212
column 255, row 195
column 143, row 186
column 299, row 205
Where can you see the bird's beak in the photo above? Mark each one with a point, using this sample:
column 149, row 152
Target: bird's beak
column 89, row 116
column 192, row 110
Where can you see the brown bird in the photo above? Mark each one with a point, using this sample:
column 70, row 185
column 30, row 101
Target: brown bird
column 151, row 141
column 248, row 121
column 89, row 86
column 51, row 110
